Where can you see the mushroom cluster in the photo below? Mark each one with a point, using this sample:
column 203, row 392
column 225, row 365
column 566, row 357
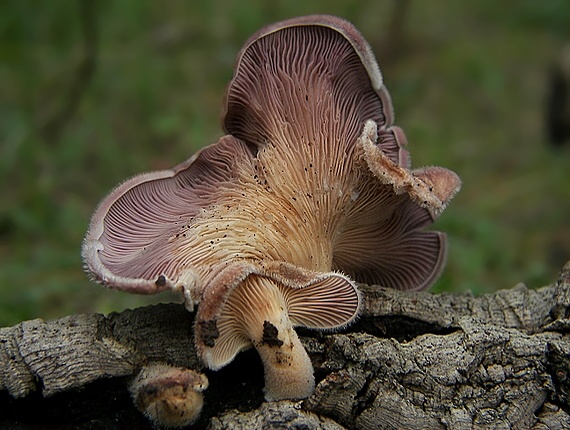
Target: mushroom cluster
column 309, row 192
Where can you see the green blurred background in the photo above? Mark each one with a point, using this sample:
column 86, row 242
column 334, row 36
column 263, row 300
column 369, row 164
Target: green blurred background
column 93, row 92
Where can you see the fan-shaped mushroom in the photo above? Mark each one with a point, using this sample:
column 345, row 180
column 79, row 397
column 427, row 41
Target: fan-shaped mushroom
column 309, row 192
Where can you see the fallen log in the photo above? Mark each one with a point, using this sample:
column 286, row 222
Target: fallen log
column 413, row 360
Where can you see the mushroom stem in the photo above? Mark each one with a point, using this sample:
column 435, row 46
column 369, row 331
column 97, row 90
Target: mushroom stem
column 287, row 366
column 261, row 306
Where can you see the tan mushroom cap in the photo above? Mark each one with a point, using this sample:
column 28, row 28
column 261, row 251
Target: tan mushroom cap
column 308, row 193
column 171, row 397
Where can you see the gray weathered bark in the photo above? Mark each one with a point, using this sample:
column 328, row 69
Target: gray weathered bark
column 413, row 360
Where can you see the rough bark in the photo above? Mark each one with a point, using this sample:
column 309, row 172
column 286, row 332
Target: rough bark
column 413, row 360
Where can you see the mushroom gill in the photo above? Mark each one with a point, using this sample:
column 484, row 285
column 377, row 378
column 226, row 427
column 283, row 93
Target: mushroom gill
column 271, row 227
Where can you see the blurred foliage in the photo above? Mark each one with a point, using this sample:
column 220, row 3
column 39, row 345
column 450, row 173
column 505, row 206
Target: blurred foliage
column 92, row 92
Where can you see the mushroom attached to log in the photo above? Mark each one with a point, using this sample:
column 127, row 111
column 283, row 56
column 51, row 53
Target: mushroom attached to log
column 308, row 193
column 170, row 397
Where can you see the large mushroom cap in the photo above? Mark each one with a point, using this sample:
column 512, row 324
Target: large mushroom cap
column 301, row 93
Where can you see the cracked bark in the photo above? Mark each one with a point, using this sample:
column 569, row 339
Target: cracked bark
column 413, row 360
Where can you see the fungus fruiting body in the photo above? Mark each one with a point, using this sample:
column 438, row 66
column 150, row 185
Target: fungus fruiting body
column 308, row 193
column 169, row 396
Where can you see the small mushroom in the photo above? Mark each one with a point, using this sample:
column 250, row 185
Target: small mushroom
column 271, row 227
column 170, row 397
column 260, row 306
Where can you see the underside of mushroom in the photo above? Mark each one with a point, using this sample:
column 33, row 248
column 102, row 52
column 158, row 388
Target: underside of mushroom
column 271, row 227
column 259, row 306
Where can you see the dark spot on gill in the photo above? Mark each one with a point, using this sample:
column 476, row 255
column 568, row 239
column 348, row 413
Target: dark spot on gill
column 160, row 281
column 270, row 335
column 208, row 332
